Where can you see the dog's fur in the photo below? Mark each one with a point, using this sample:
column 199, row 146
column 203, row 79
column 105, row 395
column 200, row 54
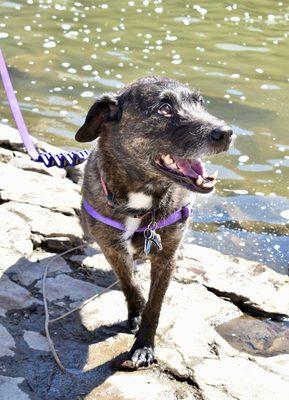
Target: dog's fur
column 132, row 133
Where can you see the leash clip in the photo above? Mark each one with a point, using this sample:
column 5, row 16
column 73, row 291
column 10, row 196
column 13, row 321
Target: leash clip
column 151, row 237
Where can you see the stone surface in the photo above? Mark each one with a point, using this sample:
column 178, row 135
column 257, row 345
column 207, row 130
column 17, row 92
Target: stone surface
column 9, row 389
column 64, row 286
column 15, row 239
column 278, row 364
column 36, row 341
column 141, row 385
column 5, row 155
column 96, row 314
column 7, row 343
column 30, row 187
column 247, row 283
column 10, row 137
column 29, row 165
column 27, row 271
column 13, row 296
column 47, row 223
column 237, row 378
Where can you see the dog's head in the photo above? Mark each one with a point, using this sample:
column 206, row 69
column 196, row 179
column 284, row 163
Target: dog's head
column 158, row 128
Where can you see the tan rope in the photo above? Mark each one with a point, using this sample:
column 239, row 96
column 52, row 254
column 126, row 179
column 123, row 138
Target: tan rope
column 47, row 318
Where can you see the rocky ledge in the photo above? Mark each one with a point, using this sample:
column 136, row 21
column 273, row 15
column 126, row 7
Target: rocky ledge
column 218, row 338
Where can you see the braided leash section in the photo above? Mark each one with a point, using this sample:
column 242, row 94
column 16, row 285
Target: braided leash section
column 62, row 160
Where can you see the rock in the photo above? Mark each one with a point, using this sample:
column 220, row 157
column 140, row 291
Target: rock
column 29, row 165
column 185, row 333
column 36, row 341
column 108, row 309
column 5, row 155
column 200, row 303
column 172, row 360
column 64, row 286
column 47, row 147
column 142, row 385
column 108, row 351
column 47, row 223
column 9, row 389
column 13, row 296
column 238, row 279
column 57, row 244
column 10, row 138
column 237, row 378
column 49, row 192
column 15, row 239
column 7, row 343
column 98, row 266
column 278, row 364
column 27, row 271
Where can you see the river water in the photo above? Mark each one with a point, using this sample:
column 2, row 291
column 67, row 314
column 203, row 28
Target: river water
column 62, row 53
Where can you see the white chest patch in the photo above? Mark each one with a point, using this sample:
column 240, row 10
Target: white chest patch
column 139, row 200
column 136, row 200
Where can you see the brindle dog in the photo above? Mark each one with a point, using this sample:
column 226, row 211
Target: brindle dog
column 152, row 136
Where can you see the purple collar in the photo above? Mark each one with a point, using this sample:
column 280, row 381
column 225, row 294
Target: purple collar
column 181, row 214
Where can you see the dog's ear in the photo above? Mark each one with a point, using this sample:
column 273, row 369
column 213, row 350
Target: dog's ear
column 104, row 109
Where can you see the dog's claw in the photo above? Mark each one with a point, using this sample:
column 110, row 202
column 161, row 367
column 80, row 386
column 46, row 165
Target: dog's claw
column 143, row 357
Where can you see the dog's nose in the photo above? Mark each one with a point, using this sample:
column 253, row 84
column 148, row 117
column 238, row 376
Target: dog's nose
column 221, row 132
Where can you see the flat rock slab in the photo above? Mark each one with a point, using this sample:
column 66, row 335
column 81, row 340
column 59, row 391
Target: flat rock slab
column 106, row 310
column 236, row 378
column 10, row 137
column 247, row 283
column 7, row 343
column 27, row 271
column 47, row 223
column 6, row 155
column 64, row 286
column 140, row 385
column 13, row 296
column 29, row 165
column 34, row 188
column 36, row 341
column 15, row 239
column 10, row 390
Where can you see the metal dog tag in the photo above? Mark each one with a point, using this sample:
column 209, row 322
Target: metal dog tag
column 151, row 237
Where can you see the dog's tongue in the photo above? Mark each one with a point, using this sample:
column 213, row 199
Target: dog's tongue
column 192, row 168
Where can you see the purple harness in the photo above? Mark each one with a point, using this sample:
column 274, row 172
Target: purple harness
column 181, row 214
column 71, row 159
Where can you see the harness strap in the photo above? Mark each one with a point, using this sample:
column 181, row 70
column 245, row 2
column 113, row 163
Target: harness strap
column 181, row 214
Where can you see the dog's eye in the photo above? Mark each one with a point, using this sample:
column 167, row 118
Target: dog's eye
column 165, row 110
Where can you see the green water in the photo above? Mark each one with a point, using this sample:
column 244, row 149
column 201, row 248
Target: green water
column 62, row 53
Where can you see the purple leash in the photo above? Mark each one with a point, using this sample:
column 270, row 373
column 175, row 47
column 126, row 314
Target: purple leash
column 60, row 160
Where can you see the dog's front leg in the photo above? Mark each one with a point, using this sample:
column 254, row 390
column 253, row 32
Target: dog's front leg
column 123, row 267
column 142, row 352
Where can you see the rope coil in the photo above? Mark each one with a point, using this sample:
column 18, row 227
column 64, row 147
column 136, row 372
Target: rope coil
column 62, row 160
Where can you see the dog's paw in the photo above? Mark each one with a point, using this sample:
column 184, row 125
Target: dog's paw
column 142, row 357
column 134, row 321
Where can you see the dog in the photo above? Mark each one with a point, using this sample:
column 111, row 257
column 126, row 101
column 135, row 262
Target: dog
column 146, row 165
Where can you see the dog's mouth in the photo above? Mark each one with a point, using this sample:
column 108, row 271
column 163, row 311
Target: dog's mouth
column 187, row 172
